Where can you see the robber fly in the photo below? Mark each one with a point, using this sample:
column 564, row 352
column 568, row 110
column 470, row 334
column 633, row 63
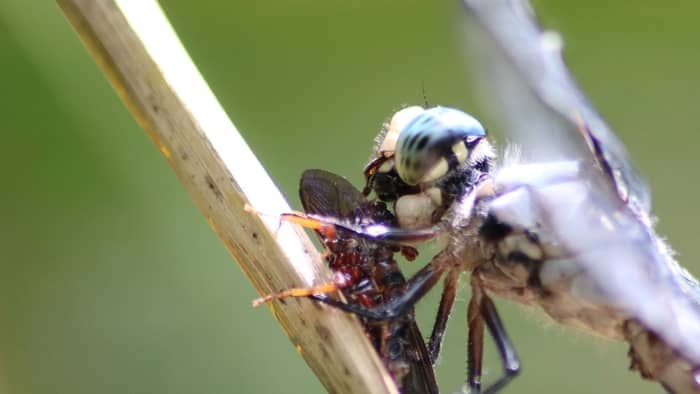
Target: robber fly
column 542, row 234
column 365, row 272
column 564, row 225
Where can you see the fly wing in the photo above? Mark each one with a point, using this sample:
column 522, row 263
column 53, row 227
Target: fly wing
column 606, row 225
column 327, row 194
column 527, row 73
column 420, row 377
column 630, row 267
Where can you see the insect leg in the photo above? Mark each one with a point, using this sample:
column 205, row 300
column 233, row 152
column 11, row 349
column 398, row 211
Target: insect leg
column 475, row 344
column 482, row 309
column 324, row 288
column 328, row 226
column 509, row 357
column 416, row 287
column 447, row 300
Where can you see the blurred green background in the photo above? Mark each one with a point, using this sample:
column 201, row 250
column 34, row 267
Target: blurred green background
column 112, row 282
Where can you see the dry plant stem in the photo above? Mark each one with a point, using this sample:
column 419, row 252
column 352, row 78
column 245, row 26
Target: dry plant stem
column 136, row 47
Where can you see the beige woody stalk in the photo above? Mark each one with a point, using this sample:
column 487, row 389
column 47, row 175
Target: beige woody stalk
column 137, row 49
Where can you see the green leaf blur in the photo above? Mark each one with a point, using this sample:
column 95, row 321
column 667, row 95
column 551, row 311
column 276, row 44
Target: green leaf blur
column 112, row 282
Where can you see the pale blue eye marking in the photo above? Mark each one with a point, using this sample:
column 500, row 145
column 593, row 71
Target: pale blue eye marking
column 425, row 145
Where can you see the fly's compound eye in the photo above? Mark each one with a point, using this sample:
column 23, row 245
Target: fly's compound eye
column 380, row 172
column 400, row 119
column 435, row 142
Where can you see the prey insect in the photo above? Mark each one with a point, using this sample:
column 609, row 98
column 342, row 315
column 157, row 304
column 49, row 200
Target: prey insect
column 365, row 272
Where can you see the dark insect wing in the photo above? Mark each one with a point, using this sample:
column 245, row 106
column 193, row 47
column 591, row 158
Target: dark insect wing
column 421, row 377
column 399, row 340
column 605, row 224
column 327, row 194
